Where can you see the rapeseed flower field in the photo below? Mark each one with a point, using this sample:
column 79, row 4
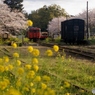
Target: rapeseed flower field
column 18, row 78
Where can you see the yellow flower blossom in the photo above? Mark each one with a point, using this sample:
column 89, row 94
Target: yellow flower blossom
column 25, row 89
column 43, row 86
column 10, row 67
column 6, row 59
column 33, row 90
column 7, row 81
column 31, row 84
column 51, row 92
column 55, row 48
column 30, row 48
column 4, row 84
column 35, row 52
column 30, row 74
column 18, row 83
column 49, row 52
column 35, row 67
column 35, row 61
column 16, row 55
column 13, row 91
column 29, row 23
column 28, row 66
column 20, row 70
column 2, row 69
column 14, row 45
column 37, row 79
column 18, row 62
column 46, row 78
column 61, row 87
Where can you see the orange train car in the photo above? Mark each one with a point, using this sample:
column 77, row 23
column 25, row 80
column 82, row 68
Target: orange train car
column 34, row 33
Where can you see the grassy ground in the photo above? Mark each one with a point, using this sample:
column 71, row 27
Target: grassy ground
column 63, row 71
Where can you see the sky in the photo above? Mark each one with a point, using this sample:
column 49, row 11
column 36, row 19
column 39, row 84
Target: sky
column 72, row 7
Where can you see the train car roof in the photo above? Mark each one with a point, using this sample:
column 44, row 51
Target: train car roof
column 72, row 19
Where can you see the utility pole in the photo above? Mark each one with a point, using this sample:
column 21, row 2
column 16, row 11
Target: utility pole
column 87, row 21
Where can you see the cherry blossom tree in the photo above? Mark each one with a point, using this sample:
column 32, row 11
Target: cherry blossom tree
column 12, row 22
column 54, row 25
column 91, row 20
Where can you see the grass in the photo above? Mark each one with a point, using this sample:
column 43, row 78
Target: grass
column 63, row 71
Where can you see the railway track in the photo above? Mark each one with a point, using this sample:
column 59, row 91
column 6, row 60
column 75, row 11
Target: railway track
column 86, row 52
column 7, row 52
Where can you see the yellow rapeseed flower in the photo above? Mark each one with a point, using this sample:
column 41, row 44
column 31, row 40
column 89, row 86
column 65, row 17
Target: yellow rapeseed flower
column 6, row 59
column 25, row 89
column 49, row 52
column 46, row 78
column 16, row 55
column 43, row 86
column 30, row 74
column 18, row 83
column 28, row 66
column 18, row 62
column 29, row 23
column 37, row 79
column 3, row 85
column 55, row 48
column 20, row 70
column 13, row 91
column 7, row 81
column 35, row 52
column 2, row 69
column 33, row 90
column 51, row 92
column 14, row 45
column 34, row 61
column 35, row 67
column 31, row 84
column 10, row 67
column 30, row 48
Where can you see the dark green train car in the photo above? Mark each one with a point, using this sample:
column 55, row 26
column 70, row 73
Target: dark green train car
column 72, row 30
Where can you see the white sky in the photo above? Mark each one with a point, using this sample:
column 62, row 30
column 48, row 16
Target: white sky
column 72, row 7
